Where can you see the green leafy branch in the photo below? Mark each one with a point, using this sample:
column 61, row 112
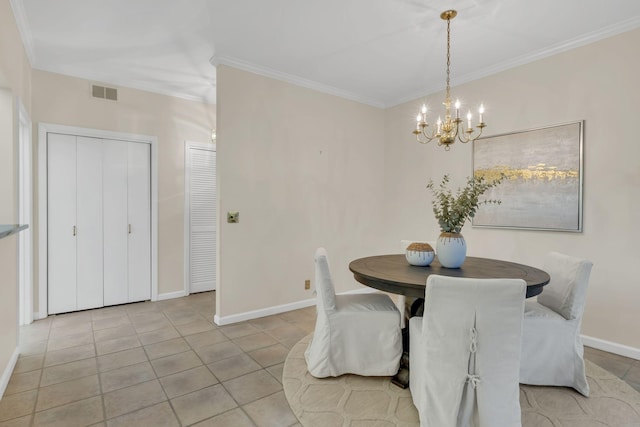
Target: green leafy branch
column 453, row 211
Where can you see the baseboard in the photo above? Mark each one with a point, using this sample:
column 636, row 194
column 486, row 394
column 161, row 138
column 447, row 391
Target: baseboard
column 268, row 311
column 277, row 309
column 360, row 291
column 8, row 370
column 611, row 347
column 38, row 316
column 171, row 295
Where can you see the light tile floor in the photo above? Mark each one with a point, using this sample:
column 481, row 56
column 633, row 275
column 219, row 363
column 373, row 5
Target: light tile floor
column 153, row 364
column 166, row 364
column 623, row 367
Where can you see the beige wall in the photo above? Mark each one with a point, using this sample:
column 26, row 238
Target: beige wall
column 307, row 169
column 597, row 83
column 304, row 169
column 15, row 81
column 8, row 245
column 66, row 100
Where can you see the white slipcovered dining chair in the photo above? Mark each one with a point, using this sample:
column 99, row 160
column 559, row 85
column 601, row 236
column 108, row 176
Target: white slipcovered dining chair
column 552, row 351
column 355, row 334
column 465, row 352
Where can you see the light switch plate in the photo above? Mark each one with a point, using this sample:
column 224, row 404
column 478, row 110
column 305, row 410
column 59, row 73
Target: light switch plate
column 233, row 217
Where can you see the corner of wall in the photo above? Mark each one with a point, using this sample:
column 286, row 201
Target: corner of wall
column 8, row 371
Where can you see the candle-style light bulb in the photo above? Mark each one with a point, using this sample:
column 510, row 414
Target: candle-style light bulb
column 469, row 116
column 481, row 111
column 424, row 113
column 457, row 108
column 439, row 124
column 419, row 119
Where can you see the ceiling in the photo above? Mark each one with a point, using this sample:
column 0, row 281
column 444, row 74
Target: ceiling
column 379, row 52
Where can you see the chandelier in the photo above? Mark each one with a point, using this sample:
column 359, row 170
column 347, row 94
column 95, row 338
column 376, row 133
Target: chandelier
column 451, row 128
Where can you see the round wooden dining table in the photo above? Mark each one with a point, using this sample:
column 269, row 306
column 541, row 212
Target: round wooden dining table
column 392, row 273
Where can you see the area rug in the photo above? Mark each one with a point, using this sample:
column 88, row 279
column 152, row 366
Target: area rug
column 355, row 401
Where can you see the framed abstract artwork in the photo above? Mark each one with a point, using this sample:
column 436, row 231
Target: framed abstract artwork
column 542, row 189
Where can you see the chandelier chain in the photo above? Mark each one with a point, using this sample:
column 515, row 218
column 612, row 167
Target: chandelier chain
column 448, row 59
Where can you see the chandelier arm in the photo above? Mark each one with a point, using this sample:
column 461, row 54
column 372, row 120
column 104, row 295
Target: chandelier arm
column 468, row 138
column 428, row 140
column 428, row 137
column 464, row 138
column 479, row 132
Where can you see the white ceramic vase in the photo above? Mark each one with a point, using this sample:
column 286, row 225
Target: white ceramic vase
column 451, row 249
column 419, row 254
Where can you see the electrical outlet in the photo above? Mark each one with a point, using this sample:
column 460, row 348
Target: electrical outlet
column 307, row 284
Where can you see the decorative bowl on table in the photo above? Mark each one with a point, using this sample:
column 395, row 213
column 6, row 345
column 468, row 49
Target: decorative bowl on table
column 419, row 254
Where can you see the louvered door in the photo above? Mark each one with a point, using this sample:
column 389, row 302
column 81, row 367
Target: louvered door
column 201, row 170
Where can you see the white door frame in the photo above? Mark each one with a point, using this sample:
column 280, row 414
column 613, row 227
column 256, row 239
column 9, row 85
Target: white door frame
column 25, row 216
column 43, row 129
column 187, row 207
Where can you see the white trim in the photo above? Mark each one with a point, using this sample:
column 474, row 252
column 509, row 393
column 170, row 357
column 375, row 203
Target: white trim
column 611, row 347
column 170, row 295
column 583, row 40
column 154, row 218
column 102, row 80
column 277, row 309
column 187, row 220
column 25, row 215
column 294, row 80
column 361, row 291
column 42, row 222
column 600, row 34
column 187, row 208
column 23, row 28
column 8, row 371
column 268, row 311
column 43, row 129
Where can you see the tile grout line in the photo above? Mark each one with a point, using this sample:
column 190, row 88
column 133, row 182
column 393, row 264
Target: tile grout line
column 192, row 347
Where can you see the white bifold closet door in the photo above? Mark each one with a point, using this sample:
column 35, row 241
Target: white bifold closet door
column 127, row 228
column 139, row 217
column 202, row 219
column 99, row 222
column 75, row 223
column 116, row 225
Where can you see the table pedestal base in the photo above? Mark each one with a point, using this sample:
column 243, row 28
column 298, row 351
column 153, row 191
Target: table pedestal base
column 401, row 379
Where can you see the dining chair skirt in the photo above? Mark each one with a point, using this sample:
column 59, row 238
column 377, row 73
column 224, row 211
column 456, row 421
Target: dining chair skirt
column 362, row 336
column 465, row 353
column 354, row 334
column 552, row 350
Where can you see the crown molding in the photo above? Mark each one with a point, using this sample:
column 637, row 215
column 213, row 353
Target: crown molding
column 123, row 84
column 294, row 80
column 603, row 33
column 24, row 29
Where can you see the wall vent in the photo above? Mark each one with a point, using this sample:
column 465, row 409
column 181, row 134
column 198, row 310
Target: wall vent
column 103, row 92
